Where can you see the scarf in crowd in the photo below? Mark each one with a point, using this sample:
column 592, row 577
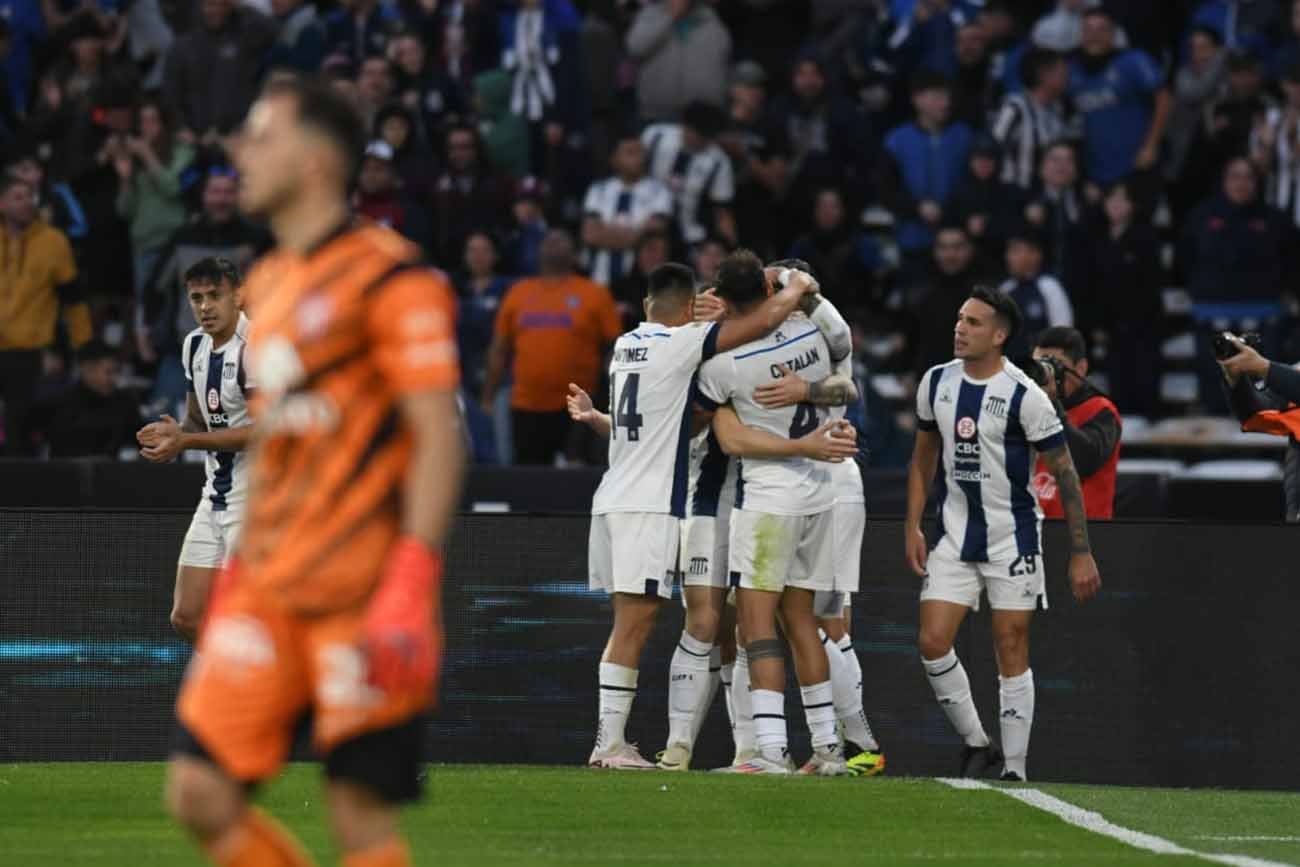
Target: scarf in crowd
column 530, row 60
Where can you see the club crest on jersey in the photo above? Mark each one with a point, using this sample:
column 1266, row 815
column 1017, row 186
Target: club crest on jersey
column 228, row 370
column 996, row 407
column 214, row 399
column 966, row 427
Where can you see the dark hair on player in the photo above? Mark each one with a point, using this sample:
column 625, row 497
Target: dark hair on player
column 1068, row 340
column 1005, row 309
column 928, row 79
column 326, row 111
column 213, row 271
column 741, row 279
column 671, row 281
column 1035, row 63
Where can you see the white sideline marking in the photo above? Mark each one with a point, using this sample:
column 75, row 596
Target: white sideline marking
column 1096, row 823
column 1247, row 838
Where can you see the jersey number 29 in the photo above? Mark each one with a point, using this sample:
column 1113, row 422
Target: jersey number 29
column 625, row 414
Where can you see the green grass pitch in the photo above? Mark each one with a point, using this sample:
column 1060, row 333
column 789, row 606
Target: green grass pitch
column 111, row 814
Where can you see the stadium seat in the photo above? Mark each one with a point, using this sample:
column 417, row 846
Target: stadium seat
column 1156, row 466
column 1238, row 470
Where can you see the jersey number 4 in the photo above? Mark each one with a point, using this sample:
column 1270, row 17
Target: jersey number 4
column 625, row 414
column 805, row 421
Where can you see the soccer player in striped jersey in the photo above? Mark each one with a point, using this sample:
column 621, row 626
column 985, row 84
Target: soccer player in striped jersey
column 635, row 531
column 985, row 419
column 216, row 420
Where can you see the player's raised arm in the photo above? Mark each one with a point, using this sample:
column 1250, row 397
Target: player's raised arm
column 582, row 410
column 767, row 317
column 834, row 441
column 1085, row 580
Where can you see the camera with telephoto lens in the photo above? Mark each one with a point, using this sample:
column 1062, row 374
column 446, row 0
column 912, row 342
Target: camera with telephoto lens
column 1044, row 370
column 1225, row 348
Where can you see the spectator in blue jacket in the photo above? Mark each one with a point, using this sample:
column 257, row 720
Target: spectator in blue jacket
column 1248, row 25
column 923, row 163
column 1123, row 100
column 360, row 28
column 300, row 44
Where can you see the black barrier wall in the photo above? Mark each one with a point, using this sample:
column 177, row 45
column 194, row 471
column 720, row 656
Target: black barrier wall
column 1182, row 673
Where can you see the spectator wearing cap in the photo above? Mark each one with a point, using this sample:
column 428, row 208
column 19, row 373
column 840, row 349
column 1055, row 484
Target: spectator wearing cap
column 984, row 204
column 94, row 417
column 467, row 195
column 540, row 48
column 682, row 51
column 551, row 330
column 424, row 88
column 1122, row 99
column 505, row 134
column 844, row 258
column 301, row 43
column 380, row 197
column 759, row 147
column 217, row 230
column 1033, row 119
column 358, row 29
column 213, row 72
column 1275, row 149
column 1042, row 299
column 687, row 158
column 922, row 164
column 37, row 278
column 523, row 244
column 829, row 141
column 619, row 209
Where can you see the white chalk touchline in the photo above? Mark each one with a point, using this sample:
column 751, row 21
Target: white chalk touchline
column 1098, row 824
column 1247, row 838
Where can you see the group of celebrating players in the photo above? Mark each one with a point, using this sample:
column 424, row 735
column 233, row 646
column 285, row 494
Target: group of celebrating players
column 731, row 470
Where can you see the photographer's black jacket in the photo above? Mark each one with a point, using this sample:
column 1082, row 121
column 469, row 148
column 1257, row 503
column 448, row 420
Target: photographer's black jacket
column 1274, row 410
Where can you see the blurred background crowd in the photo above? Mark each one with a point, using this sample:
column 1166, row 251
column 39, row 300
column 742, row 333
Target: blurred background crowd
column 1129, row 167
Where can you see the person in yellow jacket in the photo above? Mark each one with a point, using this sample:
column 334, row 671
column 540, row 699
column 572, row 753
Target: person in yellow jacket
column 37, row 279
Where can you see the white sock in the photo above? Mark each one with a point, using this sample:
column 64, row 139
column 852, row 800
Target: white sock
column 742, row 703
column 688, row 681
column 769, row 723
column 952, row 689
column 725, row 675
column 617, row 691
column 819, row 709
column 846, row 689
column 710, row 692
column 1017, row 700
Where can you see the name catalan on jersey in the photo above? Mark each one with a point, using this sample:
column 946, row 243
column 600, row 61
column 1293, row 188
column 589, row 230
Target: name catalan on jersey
column 221, row 384
column 787, row 486
column 991, row 429
column 652, row 377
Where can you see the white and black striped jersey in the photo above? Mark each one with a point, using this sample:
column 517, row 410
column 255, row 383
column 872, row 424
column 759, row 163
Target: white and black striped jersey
column 1283, row 190
column 222, row 385
column 991, row 430
column 1025, row 129
column 629, row 207
column 698, row 181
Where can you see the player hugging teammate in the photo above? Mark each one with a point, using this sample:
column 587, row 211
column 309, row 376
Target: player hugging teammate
column 662, row 508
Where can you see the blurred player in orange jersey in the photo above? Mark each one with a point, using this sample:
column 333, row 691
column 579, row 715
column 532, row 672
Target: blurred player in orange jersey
column 331, row 606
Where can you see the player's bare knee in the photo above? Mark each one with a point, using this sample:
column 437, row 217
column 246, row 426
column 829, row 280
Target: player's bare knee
column 202, row 798
column 1011, row 643
column 933, row 644
column 702, row 624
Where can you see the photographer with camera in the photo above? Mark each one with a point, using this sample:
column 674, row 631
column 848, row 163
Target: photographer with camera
column 1264, row 395
column 1091, row 422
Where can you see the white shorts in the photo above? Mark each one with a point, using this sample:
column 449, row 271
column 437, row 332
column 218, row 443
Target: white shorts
column 1013, row 583
column 849, row 527
column 212, row 535
column 773, row 552
column 703, row 560
column 634, row 553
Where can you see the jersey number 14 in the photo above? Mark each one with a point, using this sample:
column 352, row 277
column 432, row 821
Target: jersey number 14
column 625, row 414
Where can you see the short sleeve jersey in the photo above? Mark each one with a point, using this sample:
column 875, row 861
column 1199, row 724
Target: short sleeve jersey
column 991, row 430
column 786, row 486
column 222, row 385
column 651, row 383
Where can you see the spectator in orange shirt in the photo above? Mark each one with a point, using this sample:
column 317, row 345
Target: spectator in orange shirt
column 556, row 328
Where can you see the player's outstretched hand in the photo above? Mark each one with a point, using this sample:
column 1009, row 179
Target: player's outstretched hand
column 709, row 307
column 579, row 404
column 1085, row 580
column 165, row 436
column 917, row 551
column 835, row 442
column 789, row 390
column 402, row 631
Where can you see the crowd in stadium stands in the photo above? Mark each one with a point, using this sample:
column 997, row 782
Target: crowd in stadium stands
column 1083, row 155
